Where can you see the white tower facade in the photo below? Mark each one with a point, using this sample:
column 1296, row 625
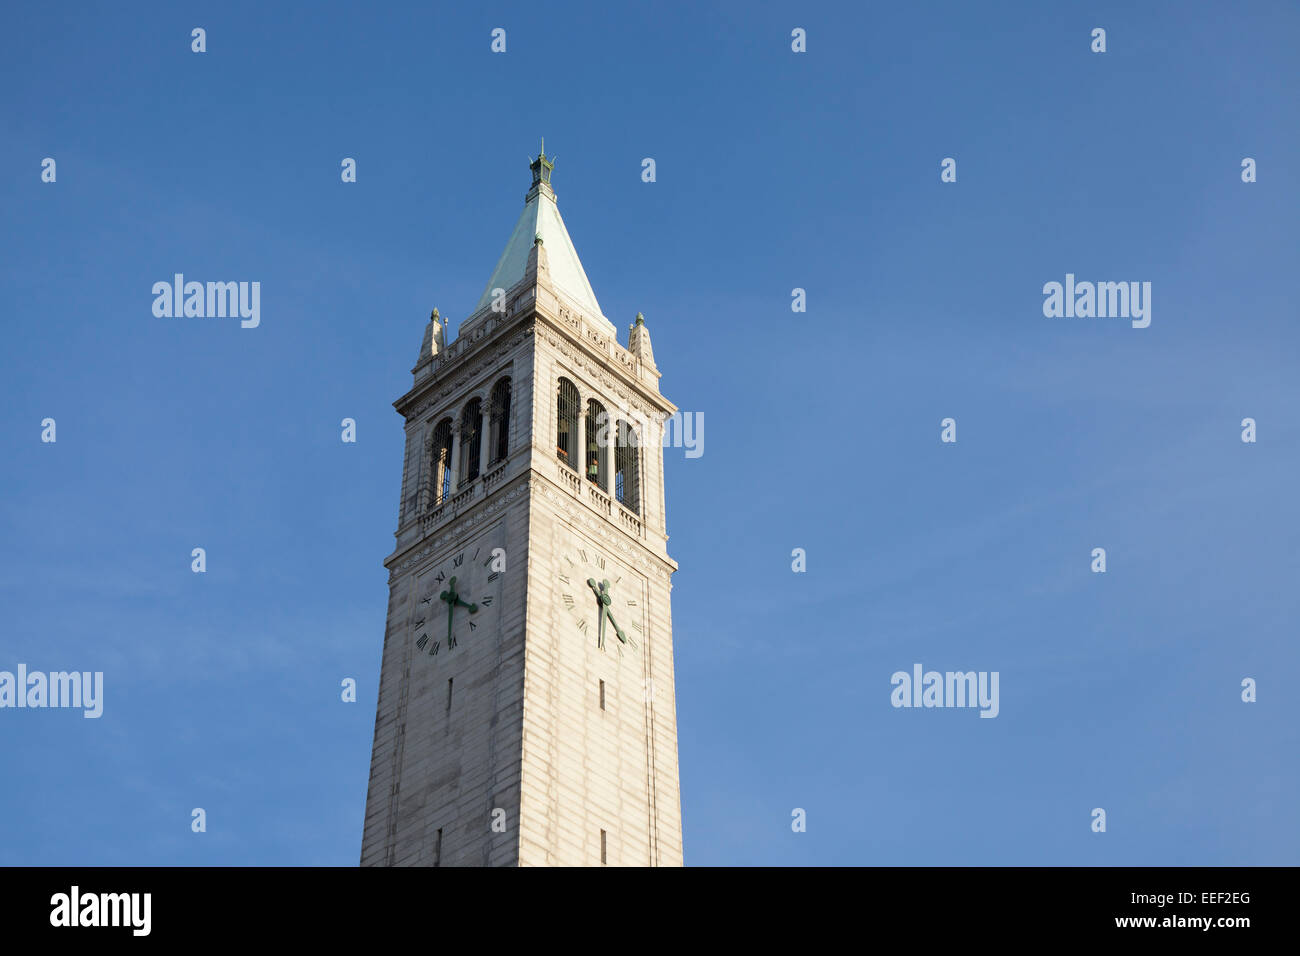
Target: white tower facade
column 526, row 711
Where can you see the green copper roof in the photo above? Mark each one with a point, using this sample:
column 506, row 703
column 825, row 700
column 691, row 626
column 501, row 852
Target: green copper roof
column 541, row 218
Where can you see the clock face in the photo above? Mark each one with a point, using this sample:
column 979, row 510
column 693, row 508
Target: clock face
column 600, row 597
column 456, row 601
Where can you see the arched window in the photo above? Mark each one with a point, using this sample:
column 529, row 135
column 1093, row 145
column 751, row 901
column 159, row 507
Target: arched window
column 566, row 430
column 598, row 442
column 440, row 475
column 471, row 440
column 627, row 476
column 499, row 421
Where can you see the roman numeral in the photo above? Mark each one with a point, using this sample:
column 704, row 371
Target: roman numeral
column 427, row 600
column 583, row 555
column 636, row 625
column 458, row 560
column 434, row 648
column 487, row 562
column 424, row 639
column 568, row 600
column 451, row 641
column 564, row 579
column 473, row 626
column 631, row 603
column 486, row 601
column 494, row 575
column 440, row 578
column 582, row 626
column 476, row 551
column 601, row 562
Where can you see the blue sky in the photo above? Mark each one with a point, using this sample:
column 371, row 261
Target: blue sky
column 775, row 170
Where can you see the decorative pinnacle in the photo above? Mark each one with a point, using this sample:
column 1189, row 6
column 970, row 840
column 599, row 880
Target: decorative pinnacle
column 433, row 316
column 640, row 319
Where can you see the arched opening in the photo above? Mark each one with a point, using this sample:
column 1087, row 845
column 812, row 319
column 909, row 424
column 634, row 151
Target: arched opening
column 440, row 475
column 627, row 477
column 471, row 441
column 597, row 440
column 499, row 421
column 566, row 431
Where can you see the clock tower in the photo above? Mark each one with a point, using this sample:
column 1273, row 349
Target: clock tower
column 526, row 712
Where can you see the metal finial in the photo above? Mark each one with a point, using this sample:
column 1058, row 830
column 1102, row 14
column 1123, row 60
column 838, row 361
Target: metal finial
column 542, row 166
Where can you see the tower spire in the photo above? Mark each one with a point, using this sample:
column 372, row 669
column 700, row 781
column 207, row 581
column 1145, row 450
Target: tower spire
column 540, row 223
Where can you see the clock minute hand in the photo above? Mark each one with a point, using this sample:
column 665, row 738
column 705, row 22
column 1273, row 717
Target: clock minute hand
column 617, row 630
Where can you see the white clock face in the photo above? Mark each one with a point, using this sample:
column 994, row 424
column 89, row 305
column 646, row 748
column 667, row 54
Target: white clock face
column 456, row 601
column 601, row 598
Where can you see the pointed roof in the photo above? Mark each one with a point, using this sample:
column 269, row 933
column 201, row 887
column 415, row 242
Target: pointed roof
column 541, row 218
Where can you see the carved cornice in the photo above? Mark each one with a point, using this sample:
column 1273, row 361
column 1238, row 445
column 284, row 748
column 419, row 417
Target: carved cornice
column 439, row 388
column 651, row 405
column 457, row 529
column 562, row 503
column 615, row 540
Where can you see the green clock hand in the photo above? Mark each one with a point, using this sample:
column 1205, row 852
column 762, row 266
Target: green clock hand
column 617, row 630
column 601, row 600
column 604, row 600
column 451, row 597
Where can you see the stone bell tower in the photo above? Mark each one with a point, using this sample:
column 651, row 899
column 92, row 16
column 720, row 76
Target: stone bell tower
column 526, row 711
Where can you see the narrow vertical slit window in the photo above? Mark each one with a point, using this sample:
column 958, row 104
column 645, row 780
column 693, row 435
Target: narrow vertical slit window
column 602, row 845
column 437, row 848
column 602, row 695
column 449, row 680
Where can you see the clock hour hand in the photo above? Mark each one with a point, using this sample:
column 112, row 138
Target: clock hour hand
column 601, row 600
